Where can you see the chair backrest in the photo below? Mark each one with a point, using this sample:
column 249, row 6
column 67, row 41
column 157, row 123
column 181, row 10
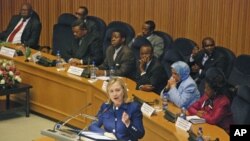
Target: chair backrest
column 240, row 74
column 184, row 46
column 168, row 40
column 125, row 27
column 101, row 25
column 241, row 105
column 170, row 56
column 62, row 33
column 136, row 45
column 230, row 57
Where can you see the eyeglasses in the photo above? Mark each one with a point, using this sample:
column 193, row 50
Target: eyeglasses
column 208, row 46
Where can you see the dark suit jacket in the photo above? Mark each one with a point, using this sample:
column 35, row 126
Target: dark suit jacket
column 155, row 76
column 89, row 50
column 124, row 63
column 31, row 33
column 217, row 59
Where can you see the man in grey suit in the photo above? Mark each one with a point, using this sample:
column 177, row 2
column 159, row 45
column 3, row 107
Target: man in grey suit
column 86, row 48
column 24, row 28
column 157, row 42
column 118, row 56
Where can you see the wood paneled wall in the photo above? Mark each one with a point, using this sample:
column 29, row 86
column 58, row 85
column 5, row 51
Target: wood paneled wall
column 227, row 21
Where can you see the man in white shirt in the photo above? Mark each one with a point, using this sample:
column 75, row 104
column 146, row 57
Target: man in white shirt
column 24, row 28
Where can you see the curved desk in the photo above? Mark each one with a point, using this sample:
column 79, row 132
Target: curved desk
column 59, row 94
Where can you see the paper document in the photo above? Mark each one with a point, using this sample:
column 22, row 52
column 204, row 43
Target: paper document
column 195, row 119
column 95, row 136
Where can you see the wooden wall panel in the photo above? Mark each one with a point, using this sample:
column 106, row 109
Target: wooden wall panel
column 227, row 21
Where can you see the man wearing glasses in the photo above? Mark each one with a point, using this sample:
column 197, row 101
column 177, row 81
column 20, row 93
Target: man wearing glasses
column 82, row 13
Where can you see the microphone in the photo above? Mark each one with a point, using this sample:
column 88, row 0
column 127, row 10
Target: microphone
column 67, row 119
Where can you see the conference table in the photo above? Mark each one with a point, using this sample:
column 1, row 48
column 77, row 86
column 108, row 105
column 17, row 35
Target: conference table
column 59, row 94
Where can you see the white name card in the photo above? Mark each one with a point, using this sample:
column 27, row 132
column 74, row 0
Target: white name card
column 75, row 70
column 7, row 52
column 147, row 109
column 183, row 124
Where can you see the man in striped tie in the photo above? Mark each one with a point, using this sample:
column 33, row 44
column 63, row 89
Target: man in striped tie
column 24, row 28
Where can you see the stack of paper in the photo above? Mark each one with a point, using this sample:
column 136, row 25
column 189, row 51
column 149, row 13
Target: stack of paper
column 195, row 119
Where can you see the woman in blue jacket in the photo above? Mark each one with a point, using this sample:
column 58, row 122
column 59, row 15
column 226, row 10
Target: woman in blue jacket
column 120, row 119
column 181, row 88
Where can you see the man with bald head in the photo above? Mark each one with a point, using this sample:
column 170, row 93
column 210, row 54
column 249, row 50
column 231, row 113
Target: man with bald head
column 24, row 28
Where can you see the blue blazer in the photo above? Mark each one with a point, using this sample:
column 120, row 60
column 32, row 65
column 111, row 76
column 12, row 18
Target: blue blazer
column 110, row 118
column 185, row 95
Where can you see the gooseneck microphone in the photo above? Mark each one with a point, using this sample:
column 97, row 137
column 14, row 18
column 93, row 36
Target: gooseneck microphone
column 68, row 118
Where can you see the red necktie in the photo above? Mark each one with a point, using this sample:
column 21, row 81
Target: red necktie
column 12, row 35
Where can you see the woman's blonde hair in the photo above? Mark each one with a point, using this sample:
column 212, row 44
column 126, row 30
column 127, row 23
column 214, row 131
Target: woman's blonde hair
column 123, row 85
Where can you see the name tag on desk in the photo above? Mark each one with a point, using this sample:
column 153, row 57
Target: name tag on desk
column 7, row 52
column 147, row 109
column 183, row 124
column 75, row 70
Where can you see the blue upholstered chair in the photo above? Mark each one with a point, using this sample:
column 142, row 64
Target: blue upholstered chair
column 240, row 74
column 241, row 105
column 62, row 33
column 230, row 57
column 168, row 40
column 136, row 45
column 125, row 27
column 184, row 46
column 101, row 25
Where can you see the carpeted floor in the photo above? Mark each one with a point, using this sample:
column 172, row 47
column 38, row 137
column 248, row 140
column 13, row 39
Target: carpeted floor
column 16, row 127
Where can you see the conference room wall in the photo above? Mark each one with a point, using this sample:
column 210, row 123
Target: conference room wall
column 227, row 21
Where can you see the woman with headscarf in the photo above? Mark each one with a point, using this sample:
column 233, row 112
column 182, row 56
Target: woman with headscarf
column 214, row 105
column 181, row 89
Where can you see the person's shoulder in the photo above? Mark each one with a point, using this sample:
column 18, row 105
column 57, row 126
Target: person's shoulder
column 134, row 105
column 223, row 99
column 16, row 17
column 105, row 105
column 93, row 36
column 126, row 49
column 156, row 37
column 156, row 62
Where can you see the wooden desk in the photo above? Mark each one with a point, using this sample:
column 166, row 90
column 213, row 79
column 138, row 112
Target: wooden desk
column 20, row 88
column 59, row 94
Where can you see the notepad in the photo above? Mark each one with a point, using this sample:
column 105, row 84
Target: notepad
column 95, row 136
column 195, row 119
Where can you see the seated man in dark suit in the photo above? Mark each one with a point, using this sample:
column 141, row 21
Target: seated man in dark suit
column 24, row 28
column 86, row 48
column 118, row 56
column 206, row 58
column 150, row 74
